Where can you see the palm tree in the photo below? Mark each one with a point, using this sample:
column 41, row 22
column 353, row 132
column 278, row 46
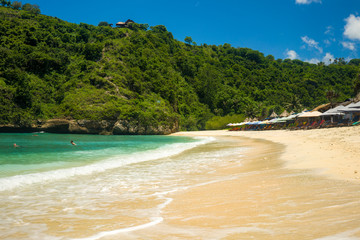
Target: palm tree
column 251, row 110
column 357, row 85
column 294, row 104
column 332, row 95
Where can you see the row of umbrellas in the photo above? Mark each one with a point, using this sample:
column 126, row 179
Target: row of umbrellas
column 339, row 110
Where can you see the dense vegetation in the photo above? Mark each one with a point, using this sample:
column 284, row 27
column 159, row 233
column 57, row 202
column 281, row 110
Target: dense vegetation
column 50, row 68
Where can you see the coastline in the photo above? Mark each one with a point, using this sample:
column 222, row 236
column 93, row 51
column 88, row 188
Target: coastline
column 333, row 152
column 240, row 185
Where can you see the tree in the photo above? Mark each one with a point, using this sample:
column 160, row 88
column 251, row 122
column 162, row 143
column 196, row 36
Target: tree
column 16, row 5
column 103, row 24
column 3, row 2
column 294, row 104
column 32, row 8
column 355, row 62
column 357, row 85
column 332, row 95
column 158, row 29
column 251, row 109
column 188, row 40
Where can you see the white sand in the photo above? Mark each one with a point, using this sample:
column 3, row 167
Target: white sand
column 334, row 151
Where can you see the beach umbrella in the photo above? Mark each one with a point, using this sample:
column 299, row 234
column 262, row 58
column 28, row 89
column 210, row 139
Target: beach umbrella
column 291, row 117
column 277, row 120
column 284, row 114
column 273, row 115
column 312, row 114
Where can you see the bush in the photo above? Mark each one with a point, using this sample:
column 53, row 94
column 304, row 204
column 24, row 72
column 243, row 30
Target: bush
column 219, row 122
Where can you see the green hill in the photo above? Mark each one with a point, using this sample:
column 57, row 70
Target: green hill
column 50, row 69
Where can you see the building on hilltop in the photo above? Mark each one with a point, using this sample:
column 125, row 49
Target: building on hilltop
column 124, row 24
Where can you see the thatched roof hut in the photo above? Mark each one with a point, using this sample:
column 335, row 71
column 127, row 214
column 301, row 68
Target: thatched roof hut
column 124, row 24
column 323, row 107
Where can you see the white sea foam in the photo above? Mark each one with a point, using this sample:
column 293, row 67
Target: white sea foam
column 348, row 235
column 12, row 182
column 122, row 230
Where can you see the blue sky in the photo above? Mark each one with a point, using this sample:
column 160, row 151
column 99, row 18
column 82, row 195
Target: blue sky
column 309, row 30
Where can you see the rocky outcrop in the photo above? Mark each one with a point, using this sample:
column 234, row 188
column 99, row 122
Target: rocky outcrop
column 124, row 127
column 103, row 127
column 91, row 127
column 55, row 126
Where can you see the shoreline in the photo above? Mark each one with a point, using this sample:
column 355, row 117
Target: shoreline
column 272, row 194
column 333, row 152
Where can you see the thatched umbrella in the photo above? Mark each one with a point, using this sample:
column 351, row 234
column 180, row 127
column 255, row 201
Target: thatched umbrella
column 284, row 114
column 273, row 115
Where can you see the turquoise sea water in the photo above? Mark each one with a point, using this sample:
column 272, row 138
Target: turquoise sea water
column 44, row 157
column 50, row 189
column 38, row 152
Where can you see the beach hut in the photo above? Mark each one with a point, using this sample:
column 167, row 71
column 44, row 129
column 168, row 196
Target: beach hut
column 356, row 105
column 334, row 111
column 352, row 112
column 334, row 114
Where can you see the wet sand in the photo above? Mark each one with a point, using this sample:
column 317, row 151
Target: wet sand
column 289, row 185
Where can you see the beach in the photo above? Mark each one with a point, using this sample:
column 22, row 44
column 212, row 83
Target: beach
column 291, row 185
column 333, row 151
column 214, row 185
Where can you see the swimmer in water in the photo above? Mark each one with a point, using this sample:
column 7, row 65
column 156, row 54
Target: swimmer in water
column 16, row 146
column 72, row 142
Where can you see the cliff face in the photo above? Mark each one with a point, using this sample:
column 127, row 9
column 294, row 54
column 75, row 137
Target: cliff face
column 121, row 127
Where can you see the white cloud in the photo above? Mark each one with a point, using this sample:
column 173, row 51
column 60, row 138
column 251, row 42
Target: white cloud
column 352, row 27
column 291, row 54
column 348, row 45
column 327, row 42
column 329, row 30
column 307, row 1
column 313, row 60
column 328, row 58
column 311, row 43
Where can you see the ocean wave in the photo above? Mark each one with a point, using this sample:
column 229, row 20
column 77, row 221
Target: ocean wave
column 9, row 183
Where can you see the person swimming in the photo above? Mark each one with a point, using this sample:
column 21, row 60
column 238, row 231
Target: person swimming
column 72, row 142
column 16, row 146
